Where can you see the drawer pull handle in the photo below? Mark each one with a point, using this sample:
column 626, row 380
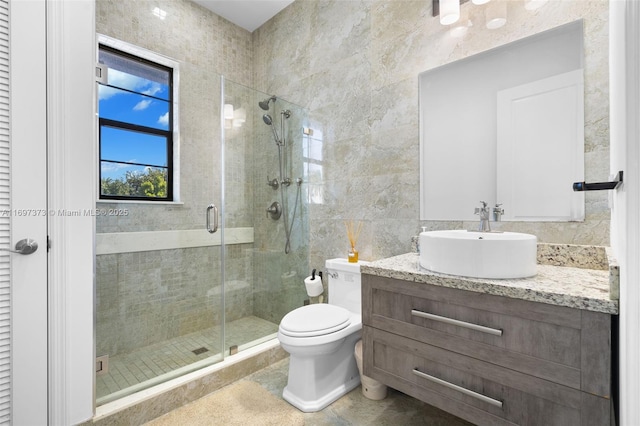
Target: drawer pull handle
column 476, row 327
column 481, row 397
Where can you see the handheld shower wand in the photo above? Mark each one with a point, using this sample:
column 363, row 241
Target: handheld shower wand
column 269, row 122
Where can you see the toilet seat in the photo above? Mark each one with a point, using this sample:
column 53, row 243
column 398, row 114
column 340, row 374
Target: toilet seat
column 315, row 320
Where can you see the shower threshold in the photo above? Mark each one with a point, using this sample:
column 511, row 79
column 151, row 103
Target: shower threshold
column 149, row 366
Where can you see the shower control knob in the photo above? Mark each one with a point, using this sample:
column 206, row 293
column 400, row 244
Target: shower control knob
column 274, row 210
column 273, row 182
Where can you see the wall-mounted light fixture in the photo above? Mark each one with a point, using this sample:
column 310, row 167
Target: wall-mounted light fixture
column 449, row 11
column 233, row 117
column 228, row 112
column 495, row 12
column 435, row 6
column 460, row 28
column 239, row 117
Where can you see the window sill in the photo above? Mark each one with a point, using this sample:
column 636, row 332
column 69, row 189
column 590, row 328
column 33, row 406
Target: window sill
column 151, row 203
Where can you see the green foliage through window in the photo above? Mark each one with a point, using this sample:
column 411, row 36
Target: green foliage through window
column 152, row 183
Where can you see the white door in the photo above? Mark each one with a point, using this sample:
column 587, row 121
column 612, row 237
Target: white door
column 540, row 144
column 28, row 212
column 624, row 46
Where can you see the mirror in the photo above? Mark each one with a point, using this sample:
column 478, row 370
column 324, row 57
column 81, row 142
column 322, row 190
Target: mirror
column 506, row 126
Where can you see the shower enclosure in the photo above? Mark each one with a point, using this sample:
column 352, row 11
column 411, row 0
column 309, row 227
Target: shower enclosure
column 172, row 297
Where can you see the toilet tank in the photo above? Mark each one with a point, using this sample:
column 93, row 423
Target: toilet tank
column 344, row 284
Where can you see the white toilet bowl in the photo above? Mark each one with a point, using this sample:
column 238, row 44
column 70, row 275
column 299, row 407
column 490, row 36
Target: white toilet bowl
column 320, row 340
column 322, row 367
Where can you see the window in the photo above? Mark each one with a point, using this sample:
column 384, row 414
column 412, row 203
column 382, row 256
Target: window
column 136, row 131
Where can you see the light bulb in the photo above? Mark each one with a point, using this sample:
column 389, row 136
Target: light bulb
column 449, row 11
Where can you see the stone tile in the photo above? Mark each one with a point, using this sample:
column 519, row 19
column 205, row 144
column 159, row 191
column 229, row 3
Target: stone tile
column 145, row 365
column 354, row 409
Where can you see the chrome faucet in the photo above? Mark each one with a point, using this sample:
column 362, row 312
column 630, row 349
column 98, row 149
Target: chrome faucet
column 498, row 211
column 484, row 213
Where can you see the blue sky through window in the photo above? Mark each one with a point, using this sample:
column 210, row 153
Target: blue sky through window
column 131, row 147
column 116, row 104
column 138, row 94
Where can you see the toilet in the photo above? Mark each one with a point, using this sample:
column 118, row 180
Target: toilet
column 320, row 340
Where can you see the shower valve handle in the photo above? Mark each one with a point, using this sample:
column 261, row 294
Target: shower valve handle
column 274, row 210
column 273, row 182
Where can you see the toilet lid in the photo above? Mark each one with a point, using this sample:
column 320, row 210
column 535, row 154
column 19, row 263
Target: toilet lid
column 315, row 320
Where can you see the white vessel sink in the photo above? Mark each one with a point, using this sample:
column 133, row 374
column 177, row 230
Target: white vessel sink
column 479, row 254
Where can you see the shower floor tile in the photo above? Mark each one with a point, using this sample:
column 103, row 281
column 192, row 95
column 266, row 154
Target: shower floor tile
column 148, row 363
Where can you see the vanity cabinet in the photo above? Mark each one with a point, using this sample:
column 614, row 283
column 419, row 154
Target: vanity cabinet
column 491, row 360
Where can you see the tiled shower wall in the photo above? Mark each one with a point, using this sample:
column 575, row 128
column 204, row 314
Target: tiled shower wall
column 150, row 296
column 277, row 277
column 278, row 282
column 354, row 65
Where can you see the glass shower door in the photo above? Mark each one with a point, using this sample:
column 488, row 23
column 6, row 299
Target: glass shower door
column 159, row 274
column 173, row 297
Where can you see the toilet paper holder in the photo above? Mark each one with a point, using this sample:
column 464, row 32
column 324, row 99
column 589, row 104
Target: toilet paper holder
column 314, row 285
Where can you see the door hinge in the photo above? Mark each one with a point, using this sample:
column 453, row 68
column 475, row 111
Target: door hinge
column 48, row 243
column 102, row 365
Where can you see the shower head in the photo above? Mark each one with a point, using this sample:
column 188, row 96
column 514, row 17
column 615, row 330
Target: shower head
column 267, row 119
column 265, row 103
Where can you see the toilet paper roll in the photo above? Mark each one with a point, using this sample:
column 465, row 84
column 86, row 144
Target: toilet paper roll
column 314, row 286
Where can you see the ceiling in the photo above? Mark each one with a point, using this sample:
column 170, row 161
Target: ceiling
column 248, row 14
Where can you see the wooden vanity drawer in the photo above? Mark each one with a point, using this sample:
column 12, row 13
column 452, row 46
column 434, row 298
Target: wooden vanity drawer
column 547, row 341
column 475, row 390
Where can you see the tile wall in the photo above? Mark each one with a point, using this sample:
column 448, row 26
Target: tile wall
column 354, row 65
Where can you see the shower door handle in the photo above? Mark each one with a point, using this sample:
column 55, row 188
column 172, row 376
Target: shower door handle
column 215, row 218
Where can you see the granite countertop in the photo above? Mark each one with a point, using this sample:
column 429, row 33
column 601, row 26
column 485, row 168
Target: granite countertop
column 574, row 287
